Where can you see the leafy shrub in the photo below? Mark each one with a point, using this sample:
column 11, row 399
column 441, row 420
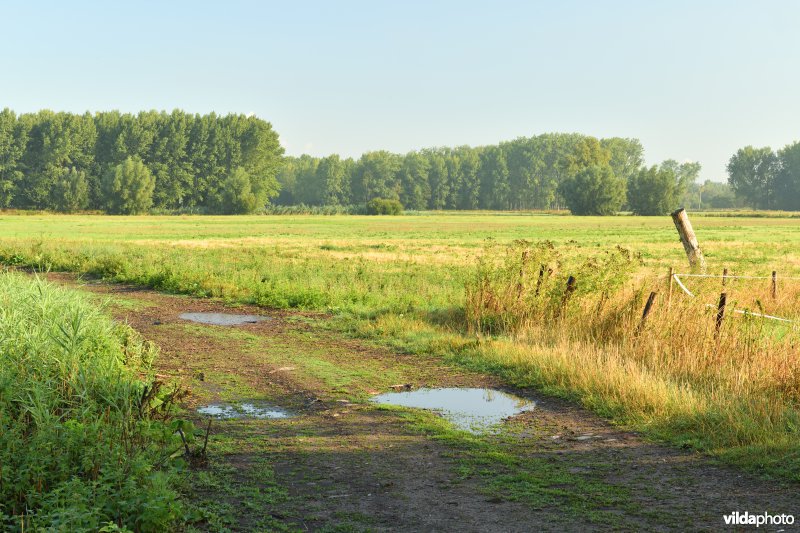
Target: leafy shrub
column 382, row 206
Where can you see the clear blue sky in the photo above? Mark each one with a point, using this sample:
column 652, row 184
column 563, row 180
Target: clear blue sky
column 692, row 80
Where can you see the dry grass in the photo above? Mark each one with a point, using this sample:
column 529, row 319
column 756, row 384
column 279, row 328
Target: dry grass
column 732, row 387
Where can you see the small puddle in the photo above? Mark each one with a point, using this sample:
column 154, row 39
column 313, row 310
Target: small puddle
column 223, row 319
column 473, row 410
column 243, row 410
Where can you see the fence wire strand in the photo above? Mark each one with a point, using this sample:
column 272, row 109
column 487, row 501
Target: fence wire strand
column 731, row 276
column 744, row 312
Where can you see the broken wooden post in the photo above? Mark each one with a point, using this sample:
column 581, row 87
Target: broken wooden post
column 723, row 298
column 571, row 284
column 774, row 284
column 689, row 240
column 647, row 307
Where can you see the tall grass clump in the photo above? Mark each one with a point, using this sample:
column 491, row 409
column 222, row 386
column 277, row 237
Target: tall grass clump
column 733, row 390
column 531, row 285
column 84, row 440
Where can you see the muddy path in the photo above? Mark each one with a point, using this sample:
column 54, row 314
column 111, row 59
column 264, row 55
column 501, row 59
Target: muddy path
column 344, row 464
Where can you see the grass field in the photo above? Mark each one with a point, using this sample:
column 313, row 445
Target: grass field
column 363, row 264
column 401, row 281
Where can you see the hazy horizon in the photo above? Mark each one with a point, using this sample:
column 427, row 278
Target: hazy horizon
column 692, row 82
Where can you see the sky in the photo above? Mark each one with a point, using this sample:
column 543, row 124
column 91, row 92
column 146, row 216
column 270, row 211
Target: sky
column 693, row 80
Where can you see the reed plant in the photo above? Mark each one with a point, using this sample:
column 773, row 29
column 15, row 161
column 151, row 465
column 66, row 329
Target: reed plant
column 85, row 435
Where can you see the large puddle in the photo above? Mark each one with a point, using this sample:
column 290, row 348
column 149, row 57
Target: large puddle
column 223, row 319
column 473, row 410
column 243, row 410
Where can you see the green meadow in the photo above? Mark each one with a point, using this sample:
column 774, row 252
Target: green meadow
column 402, row 281
column 362, row 264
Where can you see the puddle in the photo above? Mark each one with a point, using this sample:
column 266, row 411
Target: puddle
column 222, row 319
column 473, row 410
column 243, row 410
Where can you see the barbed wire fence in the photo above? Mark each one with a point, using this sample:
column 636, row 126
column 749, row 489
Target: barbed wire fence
column 676, row 277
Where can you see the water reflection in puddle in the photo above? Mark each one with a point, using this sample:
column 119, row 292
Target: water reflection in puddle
column 223, row 319
column 474, row 410
column 243, row 410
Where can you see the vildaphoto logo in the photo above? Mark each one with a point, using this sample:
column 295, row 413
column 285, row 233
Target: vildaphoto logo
column 764, row 519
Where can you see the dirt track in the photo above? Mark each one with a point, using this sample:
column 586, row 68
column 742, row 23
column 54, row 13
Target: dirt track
column 350, row 466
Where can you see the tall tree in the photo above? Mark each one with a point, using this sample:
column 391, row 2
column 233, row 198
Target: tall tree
column 415, row 189
column 13, row 140
column 525, row 166
column 787, row 179
column 438, row 178
column 169, row 161
column 287, row 179
column 455, row 178
column 128, row 188
column 627, row 156
column 655, row 191
column 71, row 191
column 57, row 141
column 495, row 187
column 330, row 178
column 752, row 173
column 376, row 176
column 307, row 189
column 470, row 192
column 589, row 152
column 594, row 190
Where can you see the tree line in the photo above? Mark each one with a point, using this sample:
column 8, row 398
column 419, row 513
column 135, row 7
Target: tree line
column 766, row 179
column 179, row 162
column 589, row 176
column 125, row 163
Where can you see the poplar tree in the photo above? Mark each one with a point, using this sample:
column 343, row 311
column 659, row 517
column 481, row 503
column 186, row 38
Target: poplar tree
column 128, row 188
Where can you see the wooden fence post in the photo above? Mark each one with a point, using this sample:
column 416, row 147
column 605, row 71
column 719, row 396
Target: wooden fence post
column 571, row 284
column 723, row 298
column 774, row 284
column 539, row 281
column 724, row 276
column 689, row 240
column 647, row 308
